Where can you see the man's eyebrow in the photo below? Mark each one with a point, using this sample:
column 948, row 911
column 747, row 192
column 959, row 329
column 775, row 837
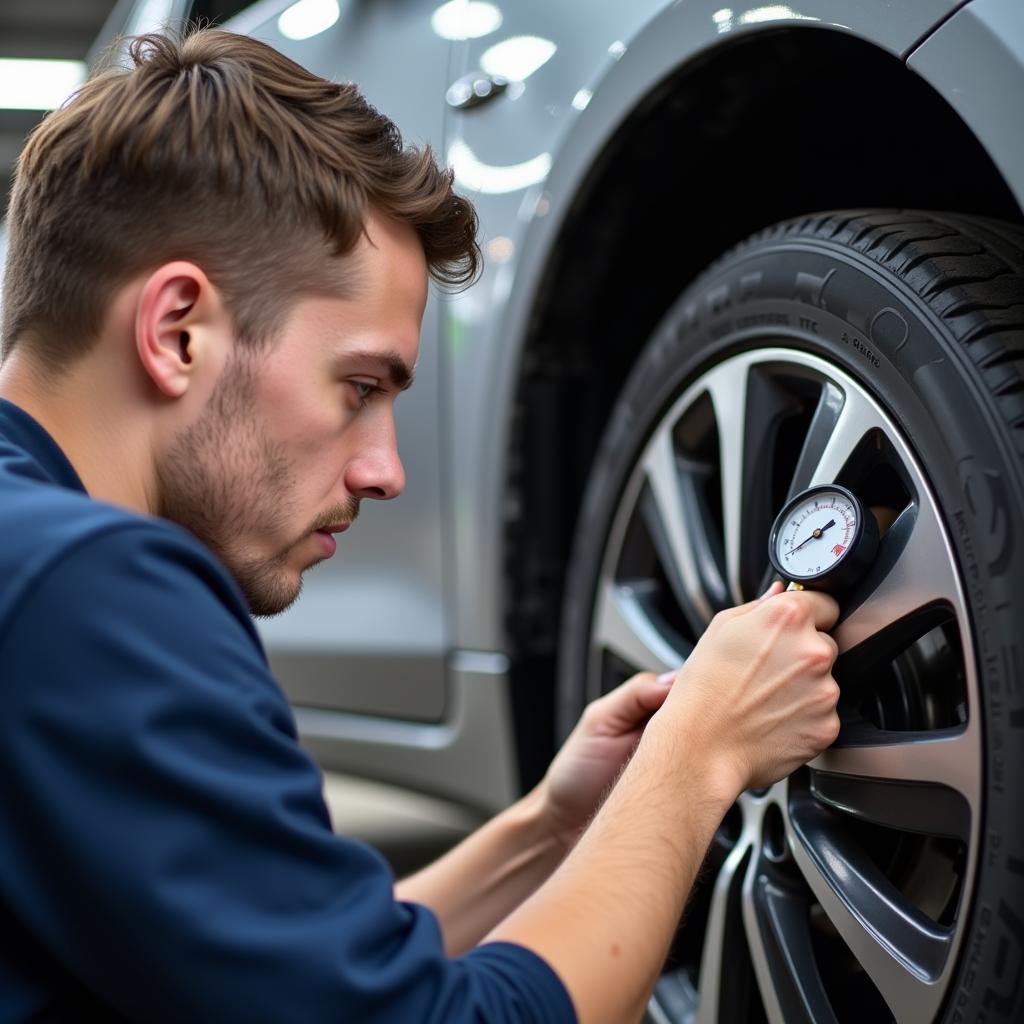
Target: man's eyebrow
column 399, row 375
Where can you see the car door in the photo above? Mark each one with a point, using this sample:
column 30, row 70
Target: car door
column 369, row 634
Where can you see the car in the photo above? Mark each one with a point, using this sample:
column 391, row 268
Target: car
column 731, row 253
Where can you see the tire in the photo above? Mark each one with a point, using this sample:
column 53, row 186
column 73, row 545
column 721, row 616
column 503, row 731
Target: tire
column 883, row 350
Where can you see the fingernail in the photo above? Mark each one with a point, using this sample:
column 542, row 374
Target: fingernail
column 768, row 592
column 666, row 678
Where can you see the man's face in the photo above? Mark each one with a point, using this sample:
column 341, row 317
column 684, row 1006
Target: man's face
column 292, row 439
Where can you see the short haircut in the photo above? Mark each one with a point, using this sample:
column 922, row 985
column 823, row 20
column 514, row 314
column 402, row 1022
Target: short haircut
column 214, row 148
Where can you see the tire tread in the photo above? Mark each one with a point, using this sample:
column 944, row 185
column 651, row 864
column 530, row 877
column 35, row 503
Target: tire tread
column 968, row 270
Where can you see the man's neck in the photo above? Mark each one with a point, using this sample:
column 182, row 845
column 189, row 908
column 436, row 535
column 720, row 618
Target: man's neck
column 111, row 458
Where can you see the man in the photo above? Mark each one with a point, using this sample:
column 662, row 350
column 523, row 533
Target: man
column 217, row 270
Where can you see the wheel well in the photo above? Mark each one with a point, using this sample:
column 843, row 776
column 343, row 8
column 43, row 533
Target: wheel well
column 761, row 129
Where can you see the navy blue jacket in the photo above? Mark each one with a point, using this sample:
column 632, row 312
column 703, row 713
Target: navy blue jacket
column 165, row 851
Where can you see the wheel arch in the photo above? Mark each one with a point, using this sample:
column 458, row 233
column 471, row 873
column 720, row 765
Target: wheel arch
column 763, row 127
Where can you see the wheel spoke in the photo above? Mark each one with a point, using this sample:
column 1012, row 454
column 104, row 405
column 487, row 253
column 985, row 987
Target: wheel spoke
column 674, row 528
column 727, row 386
column 920, row 807
column 778, row 932
column 944, row 757
column 750, row 405
column 912, row 571
column 721, row 980
column 674, row 1000
column 902, row 950
column 855, row 419
column 823, row 425
column 626, row 627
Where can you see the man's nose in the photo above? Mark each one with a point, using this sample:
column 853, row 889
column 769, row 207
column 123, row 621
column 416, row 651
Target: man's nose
column 376, row 472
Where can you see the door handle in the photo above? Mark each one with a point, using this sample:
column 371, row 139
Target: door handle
column 474, row 88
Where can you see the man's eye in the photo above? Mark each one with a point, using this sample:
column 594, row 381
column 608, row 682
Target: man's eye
column 365, row 391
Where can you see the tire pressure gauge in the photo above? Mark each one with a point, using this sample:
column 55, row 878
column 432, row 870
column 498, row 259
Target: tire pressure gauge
column 824, row 539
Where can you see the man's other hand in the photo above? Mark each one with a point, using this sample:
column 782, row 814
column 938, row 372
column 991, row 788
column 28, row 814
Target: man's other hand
column 594, row 754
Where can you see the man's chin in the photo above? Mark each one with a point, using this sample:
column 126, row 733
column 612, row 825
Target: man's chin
column 271, row 586
column 269, row 593
column 263, row 606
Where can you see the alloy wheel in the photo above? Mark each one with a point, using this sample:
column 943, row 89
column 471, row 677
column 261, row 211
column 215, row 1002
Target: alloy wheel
column 841, row 893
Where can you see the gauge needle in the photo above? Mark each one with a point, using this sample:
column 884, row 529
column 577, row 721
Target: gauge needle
column 815, row 534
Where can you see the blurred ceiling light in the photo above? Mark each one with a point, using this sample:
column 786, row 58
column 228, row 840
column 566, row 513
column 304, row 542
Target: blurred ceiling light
column 499, row 249
column 517, row 58
column 465, row 19
column 723, row 19
column 474, row 174
column 581, row 99
column 773, row 12
column 38, row 84
column 308, row 18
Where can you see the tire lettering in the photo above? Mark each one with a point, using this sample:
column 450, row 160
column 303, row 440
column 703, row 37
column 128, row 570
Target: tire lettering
column 718, row 300
column 974, row 580
column 997, row 759
column 993, row 846
column 984, row 923
column 1013, row 672
column 988, row 503
column 762, row 320
column 689, row 321
column 749, row 284
column 1008, row 952
column 858, row 346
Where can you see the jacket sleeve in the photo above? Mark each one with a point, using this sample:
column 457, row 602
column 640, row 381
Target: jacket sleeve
column 164, row 836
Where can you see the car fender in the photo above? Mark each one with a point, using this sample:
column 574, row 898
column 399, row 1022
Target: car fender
column 994, row 28
column 558, row 127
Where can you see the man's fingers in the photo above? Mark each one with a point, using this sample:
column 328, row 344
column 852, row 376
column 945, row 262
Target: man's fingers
column 831, row 641
column 631, row 703
column 642, row 695
column 639, row 697
column 741, row 609
column 823, row 608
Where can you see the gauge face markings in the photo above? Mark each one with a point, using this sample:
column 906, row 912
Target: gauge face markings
column 818, row 531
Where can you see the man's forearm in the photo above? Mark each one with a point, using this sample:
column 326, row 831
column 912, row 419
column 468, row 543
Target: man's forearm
column 755, row 700
column 479, row 882
column 605, row 920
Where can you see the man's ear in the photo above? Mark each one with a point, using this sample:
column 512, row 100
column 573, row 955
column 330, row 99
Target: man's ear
column 176, row 310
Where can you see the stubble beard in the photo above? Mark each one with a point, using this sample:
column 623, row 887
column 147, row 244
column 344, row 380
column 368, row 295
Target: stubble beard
column 224, row 480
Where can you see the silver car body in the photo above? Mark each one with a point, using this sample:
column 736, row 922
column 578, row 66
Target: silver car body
column 396, row 654
column 396, row 657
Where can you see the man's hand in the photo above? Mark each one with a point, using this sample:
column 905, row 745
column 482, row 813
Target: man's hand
column 763, row 697
column 757, row 693
column 593, row 756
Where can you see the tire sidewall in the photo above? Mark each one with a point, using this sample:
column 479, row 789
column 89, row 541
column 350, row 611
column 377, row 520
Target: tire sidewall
column 825, row 298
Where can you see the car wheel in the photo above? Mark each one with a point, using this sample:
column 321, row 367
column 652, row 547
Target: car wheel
column 883, row 350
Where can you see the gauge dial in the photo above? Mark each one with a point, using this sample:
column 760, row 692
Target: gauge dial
column 824, row 538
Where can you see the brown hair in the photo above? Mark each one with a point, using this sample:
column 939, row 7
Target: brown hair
column 217, row 149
